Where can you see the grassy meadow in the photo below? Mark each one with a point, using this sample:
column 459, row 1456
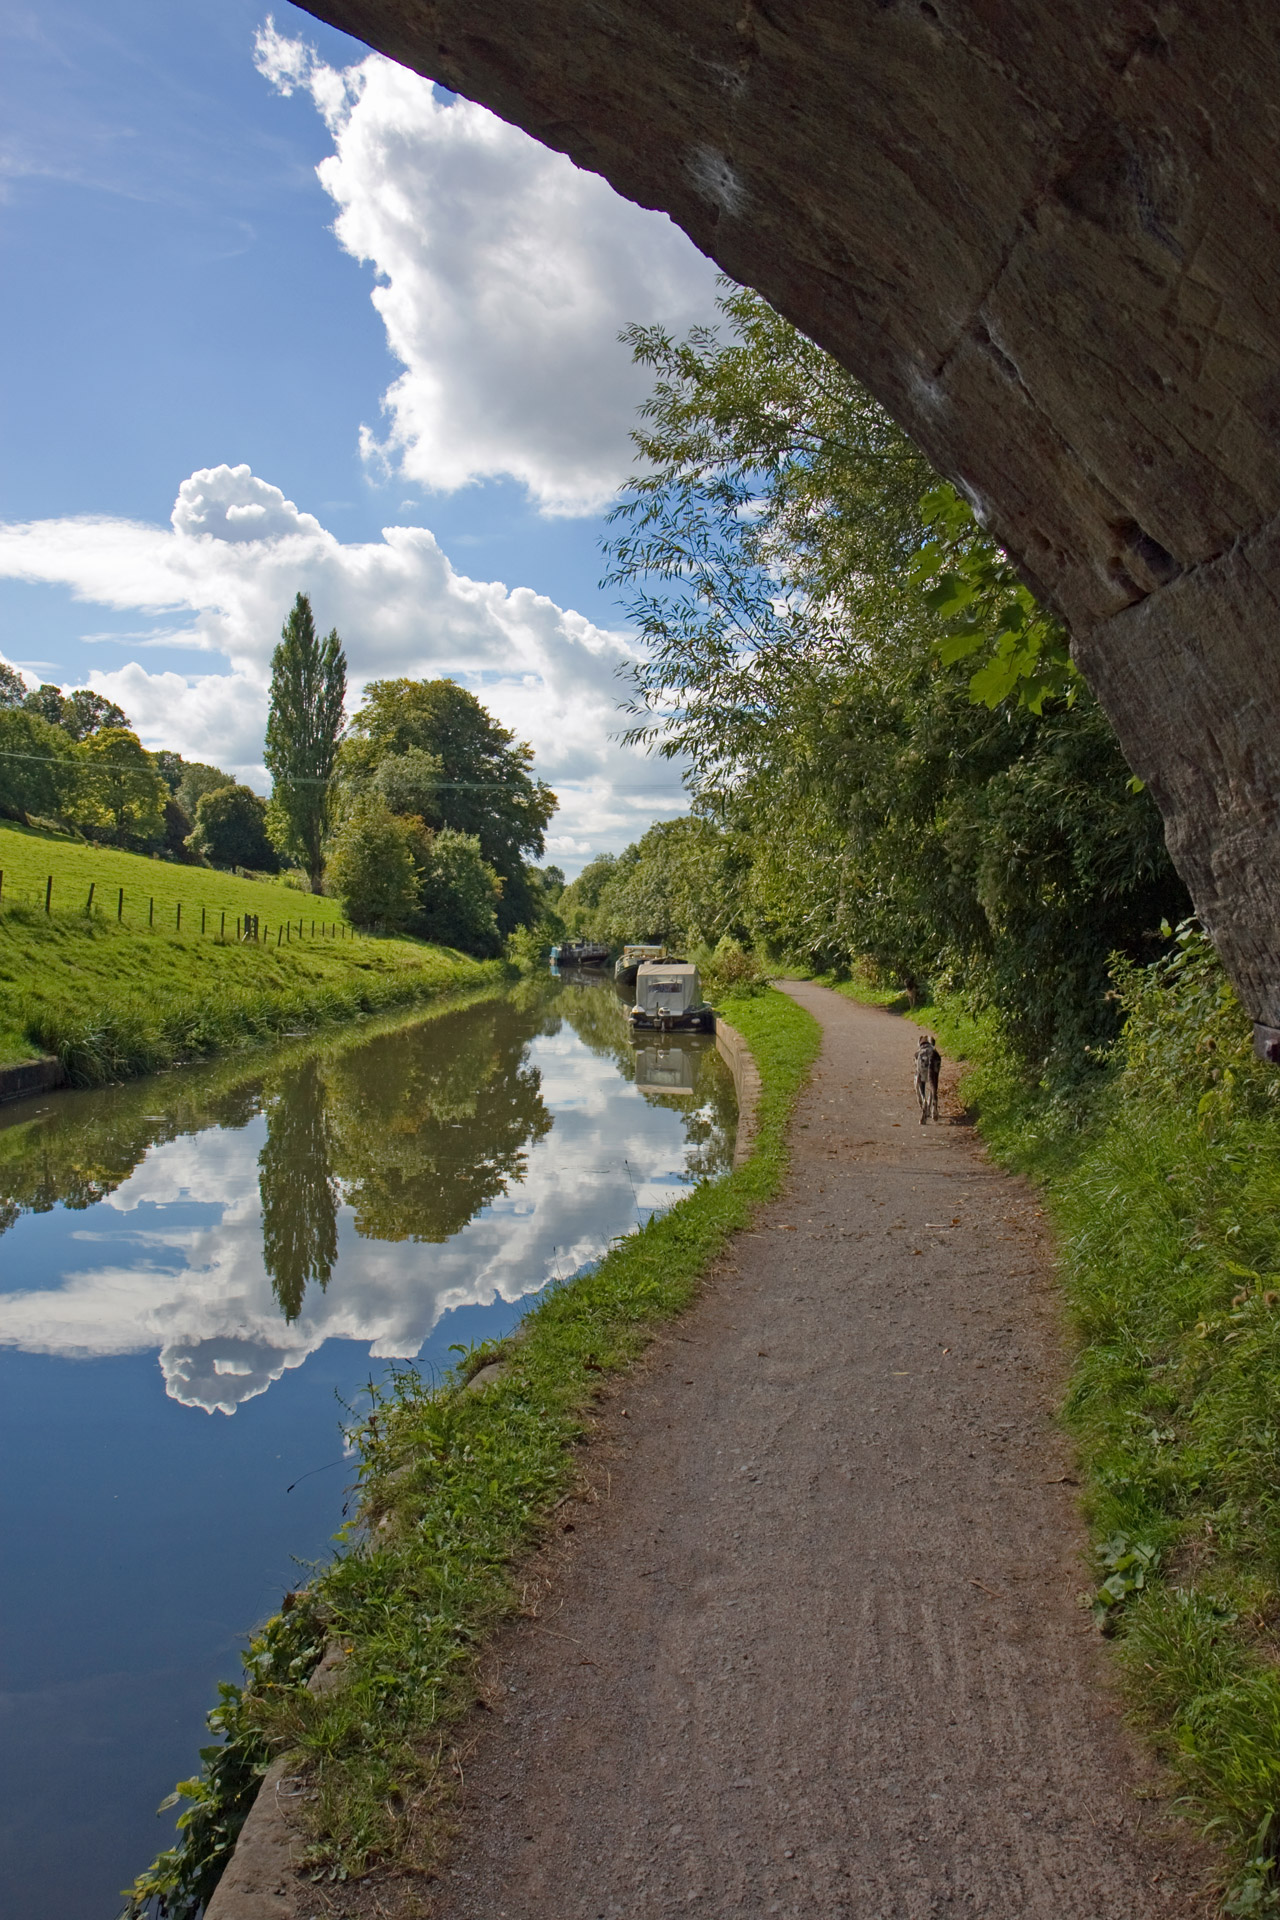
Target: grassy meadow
column 28, row 857
column 113, row 992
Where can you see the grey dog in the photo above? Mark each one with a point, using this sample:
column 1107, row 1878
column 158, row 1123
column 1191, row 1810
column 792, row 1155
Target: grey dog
column 928, row 1067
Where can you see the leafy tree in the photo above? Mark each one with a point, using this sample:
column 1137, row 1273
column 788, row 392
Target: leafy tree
column 308, row 692
column 37, row 766
column 813, row 603
column 177, row 829
column 582, row 896
column 231, row 829
column 118, row 791
column 459, row 895
column 410, row 782
column 46, row 701
column 683, row 883
column 372, row 865
column 78, row 713
column 13, row 688
column 485, row 786
column 84, row 713
column 195, row 780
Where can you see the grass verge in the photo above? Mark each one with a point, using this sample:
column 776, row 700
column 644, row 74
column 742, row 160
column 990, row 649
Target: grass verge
column 453, row 1487
column 1161, row 1172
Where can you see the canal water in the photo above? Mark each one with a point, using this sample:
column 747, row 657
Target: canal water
column 198, row 1274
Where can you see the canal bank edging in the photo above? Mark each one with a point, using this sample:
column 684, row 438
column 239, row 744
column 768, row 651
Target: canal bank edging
column 260, row 1881
column 737, row 1055
column 29, row 1077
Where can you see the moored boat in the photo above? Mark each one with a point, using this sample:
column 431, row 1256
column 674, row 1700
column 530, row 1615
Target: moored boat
column 669, row 994
column 580, row 953
column 633, row 957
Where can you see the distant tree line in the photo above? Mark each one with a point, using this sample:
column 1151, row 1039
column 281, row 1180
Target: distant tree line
column 421, row 815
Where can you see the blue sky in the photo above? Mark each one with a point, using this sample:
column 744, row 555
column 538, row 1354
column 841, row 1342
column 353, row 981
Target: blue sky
column 179, row 305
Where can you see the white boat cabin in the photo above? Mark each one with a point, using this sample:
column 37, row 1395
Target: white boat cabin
column 667, row 989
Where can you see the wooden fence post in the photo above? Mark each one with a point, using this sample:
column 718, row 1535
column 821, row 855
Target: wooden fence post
column 48, row 892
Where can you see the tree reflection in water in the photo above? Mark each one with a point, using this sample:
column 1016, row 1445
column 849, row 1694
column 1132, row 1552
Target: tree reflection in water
column 431, row 1125
column 416, row 1128
column 296, row 1187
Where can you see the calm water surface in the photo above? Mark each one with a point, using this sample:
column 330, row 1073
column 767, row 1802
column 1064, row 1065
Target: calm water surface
column 196, row 1273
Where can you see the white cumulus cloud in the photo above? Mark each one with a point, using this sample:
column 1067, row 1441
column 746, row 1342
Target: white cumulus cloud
column 230, row 564
column 505, row 274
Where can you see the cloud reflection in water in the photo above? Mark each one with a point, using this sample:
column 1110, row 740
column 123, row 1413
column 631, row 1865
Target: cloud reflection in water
column 359, row 1191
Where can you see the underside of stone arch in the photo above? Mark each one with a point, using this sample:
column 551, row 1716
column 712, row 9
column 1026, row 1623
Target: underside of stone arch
column 1046, row 234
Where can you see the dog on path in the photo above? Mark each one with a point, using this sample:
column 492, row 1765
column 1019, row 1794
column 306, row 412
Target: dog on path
column 928, row 1067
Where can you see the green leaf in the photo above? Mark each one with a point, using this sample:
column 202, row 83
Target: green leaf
column 959, row 645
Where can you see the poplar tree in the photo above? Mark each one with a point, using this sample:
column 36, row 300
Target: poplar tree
column 308, row 690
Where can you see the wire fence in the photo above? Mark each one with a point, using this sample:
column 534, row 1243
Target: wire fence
column 136, row 910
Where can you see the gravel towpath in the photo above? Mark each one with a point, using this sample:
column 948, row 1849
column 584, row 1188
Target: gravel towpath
column 815, row 1648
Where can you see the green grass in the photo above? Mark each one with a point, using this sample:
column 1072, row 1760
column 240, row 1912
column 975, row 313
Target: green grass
column 1161, row 1173
column 29, row 856
column 111, row 998
column 454, row 1488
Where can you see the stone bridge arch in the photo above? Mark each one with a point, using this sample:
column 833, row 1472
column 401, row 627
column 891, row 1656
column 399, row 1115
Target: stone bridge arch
column 1046, row 233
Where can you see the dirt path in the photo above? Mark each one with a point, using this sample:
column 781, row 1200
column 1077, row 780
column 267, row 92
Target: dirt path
column 818, row 1652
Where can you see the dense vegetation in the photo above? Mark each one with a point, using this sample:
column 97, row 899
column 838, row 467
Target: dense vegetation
column 814, row 603
column 425, row 767
column 419, row 817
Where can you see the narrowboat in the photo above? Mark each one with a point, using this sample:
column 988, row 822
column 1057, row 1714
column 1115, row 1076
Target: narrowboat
column 669, row 994
column 580, row 953
column 633, row 957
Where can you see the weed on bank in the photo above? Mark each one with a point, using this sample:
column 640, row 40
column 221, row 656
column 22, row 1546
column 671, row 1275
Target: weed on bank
column 1161, row 1171
column 453, row 1486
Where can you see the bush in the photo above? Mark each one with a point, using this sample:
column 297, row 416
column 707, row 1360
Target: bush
column 231, row 830
column 371, row 865
column 459, row 895
column 727, row 969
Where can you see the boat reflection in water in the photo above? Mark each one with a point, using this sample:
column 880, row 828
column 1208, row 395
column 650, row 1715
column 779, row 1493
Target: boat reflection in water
column 670, row 1069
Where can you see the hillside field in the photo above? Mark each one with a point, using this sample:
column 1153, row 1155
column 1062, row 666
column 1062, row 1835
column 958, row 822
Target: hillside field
column 28, row 858
column 117, row 996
